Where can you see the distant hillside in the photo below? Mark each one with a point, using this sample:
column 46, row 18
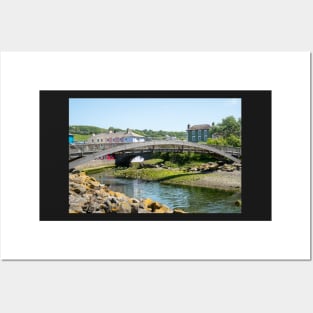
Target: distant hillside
column 89, row 130
column 86, row 130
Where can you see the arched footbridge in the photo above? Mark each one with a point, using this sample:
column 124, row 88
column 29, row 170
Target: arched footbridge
column 80, row 154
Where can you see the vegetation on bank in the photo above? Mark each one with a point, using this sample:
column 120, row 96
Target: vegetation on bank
column 172, row 166
column 99, row 169
column 149, row 174
column 184, row 159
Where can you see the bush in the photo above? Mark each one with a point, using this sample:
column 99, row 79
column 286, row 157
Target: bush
column 233, row 141
column 217, row 141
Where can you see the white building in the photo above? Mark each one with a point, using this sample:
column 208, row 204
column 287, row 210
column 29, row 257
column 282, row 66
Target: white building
column 119, row 137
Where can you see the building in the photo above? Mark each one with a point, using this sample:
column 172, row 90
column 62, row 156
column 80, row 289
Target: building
column 70, row 138
column 198, row 133
column 118, row 137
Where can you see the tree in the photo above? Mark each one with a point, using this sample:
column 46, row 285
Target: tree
column 228, row 132
column 233, row 141
column 229, row 126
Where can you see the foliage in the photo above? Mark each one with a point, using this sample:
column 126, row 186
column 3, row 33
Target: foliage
column 173, row 159
column 228, row 126
column 217, row 141
column 86, row 130
column 228, row 133
column 234, row 141
column 160, row 134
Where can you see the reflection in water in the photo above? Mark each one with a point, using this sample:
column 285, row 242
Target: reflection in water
column 191, row 199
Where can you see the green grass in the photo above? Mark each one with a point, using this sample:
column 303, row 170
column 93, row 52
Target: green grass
column 97, row 169
column 79, row 137
column 184, row 179
column 153, row 161
column 152, row 174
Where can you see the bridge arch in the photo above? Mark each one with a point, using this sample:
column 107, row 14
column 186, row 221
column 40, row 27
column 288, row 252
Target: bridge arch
column 155, row 146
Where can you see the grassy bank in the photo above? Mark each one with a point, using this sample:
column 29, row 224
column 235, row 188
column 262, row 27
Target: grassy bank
column 99, row 169
column 177, row 175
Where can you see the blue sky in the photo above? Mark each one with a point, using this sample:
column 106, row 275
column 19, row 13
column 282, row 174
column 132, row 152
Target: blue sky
column 151, row 113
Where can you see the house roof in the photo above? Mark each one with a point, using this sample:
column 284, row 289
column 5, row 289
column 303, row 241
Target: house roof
column 119, row 135
column 131, row 133
column 200, row 126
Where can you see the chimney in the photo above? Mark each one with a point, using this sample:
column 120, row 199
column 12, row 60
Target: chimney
column 188, row 126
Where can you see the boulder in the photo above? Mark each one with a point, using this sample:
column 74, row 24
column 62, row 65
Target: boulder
column 124, row 208
column 143, row 211
column 133, row 200
column 155, row 206
column 75, row 211
column 238, row 203
column 147, row 202
column 163, row 209
column 134, row 207
column 77, row 188
column 179, row 211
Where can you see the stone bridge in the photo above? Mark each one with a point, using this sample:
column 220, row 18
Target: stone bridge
column 80, row 154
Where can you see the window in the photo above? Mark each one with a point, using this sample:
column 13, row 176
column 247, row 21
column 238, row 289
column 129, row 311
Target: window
column 193, row 132
column 91, row 140
column 101, row 140
column 193, row 138
column 97, row 140
column 205, row 132
column 199, row 138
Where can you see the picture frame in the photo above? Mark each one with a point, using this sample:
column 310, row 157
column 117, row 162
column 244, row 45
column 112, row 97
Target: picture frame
column 28, row 77
column 256, row 155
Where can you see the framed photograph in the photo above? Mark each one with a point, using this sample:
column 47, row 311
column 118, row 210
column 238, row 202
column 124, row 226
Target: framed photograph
column 162, row 159
column 155, row 156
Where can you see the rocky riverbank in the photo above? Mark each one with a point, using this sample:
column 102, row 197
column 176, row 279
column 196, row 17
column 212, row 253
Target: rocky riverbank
column 88, row 196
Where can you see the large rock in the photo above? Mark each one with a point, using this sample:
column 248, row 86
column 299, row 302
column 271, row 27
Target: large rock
column 163, row 209
column 179, row 211
column 88, row 196
column 124, row 208
column 147, row 202
column 155, row 206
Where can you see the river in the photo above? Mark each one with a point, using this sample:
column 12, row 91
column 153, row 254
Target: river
column 190, row 199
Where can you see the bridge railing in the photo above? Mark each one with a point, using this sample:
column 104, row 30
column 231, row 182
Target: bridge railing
column 84, row 153
column 95, row 147
column 90, row 148
column 228, row 149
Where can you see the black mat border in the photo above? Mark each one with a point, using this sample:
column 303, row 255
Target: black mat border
column 256, row 155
